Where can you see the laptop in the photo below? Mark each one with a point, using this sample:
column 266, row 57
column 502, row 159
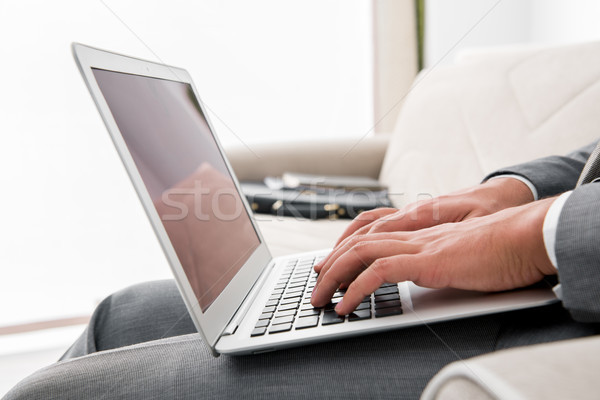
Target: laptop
column 241, row 300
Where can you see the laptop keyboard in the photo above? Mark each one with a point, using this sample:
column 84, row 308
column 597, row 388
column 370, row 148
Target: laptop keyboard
column 289, row 305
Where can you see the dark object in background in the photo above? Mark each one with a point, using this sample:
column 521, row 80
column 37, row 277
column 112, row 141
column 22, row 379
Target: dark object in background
column 312, row 203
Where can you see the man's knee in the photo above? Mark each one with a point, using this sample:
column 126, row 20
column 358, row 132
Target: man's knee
column 139, row 313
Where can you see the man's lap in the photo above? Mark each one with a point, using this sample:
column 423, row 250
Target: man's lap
column 170, row 361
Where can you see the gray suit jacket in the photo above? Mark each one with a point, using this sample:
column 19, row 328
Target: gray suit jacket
column 578, row 233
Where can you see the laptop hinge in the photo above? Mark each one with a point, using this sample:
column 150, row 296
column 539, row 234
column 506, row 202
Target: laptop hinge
column 248, row 301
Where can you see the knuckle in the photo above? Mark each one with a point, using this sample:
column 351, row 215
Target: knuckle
column 360, row 247
column 357, row 239
column 383, row 225
column 380, row 267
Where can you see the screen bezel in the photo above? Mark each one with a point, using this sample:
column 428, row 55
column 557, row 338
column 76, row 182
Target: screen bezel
column 211, row 323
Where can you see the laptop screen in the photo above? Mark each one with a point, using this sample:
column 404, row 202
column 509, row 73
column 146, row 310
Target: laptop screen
column 183, row 170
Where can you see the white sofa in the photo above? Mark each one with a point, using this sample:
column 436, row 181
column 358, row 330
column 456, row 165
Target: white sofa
column 492, row 108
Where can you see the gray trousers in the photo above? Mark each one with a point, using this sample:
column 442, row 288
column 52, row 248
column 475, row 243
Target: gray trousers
column 140, row 344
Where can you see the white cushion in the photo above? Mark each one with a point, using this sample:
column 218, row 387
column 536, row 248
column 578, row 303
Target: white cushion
column 561, row 370
column 460, row 122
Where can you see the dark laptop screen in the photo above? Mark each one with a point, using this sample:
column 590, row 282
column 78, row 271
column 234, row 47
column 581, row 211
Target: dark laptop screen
column 183, row 170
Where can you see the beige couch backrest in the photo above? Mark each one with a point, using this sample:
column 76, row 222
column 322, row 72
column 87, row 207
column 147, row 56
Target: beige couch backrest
column 492, row 109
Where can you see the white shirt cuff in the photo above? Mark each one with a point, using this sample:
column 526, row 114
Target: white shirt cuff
column 549, row 231
column 551, row 224
column 522, row 179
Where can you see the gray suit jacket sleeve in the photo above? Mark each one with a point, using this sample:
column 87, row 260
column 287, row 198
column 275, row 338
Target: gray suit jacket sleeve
column 578, row 253
column 551, row 175
column 578, row 233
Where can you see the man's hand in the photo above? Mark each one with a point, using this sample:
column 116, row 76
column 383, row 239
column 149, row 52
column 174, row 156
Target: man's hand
column 501, row 251
column 487, row 198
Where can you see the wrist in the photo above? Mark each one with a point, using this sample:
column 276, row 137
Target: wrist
column 506, row 192
column 531, row 234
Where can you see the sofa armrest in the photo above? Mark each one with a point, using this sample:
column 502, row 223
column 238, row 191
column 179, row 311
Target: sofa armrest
column 328, row 157
column 559, row 370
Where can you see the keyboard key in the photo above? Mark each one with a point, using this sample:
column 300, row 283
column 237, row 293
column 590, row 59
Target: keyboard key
column 277, row 291
column 385, row 285
column 311, row 312
column 386, row 312
column 272, row 303
column 331, row 317
column 360, row 314
column 262, row 323
column 288, row 307
column 280, row 328
column 282, row 320
column 268, row 309
column 307, row 322
column 285, row 313
column 290, row 301
column 364, row 306
column 267, row 315
column 275, row 297
column 258, row 331
column 299, row 278
column 387, row 304
column 306, row 306
column 387, row 290
column 293, row 292
column 386, row 297
column 293, row 296
column 296, row 286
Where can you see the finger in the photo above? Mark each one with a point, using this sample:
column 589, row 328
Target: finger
column 354, row 262
column 416, row 216
column 339, row 250
column 352, row 241
column 396, row 222
column 392, row 269
column 358, row 225
column 363, row 219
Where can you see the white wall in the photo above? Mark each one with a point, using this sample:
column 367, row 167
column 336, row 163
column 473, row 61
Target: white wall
column 559, row 21
column 72, row 228
column 455, row 25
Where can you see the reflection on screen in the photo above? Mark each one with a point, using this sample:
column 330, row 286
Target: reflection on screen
column 175, row 153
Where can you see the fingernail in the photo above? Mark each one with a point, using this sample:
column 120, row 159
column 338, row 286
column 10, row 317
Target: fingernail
column 339, row 306
column 312, row 296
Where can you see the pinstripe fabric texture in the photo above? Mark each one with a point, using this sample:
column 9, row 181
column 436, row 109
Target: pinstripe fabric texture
column 591, row 170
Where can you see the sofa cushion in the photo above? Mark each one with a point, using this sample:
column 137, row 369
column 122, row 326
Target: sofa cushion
column 560, row 370
column 463, row 121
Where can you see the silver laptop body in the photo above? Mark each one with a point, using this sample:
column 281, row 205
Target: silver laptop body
column 222, row 266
